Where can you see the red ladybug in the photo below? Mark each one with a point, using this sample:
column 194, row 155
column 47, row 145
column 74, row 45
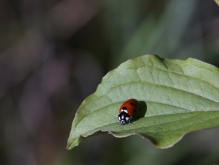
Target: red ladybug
column 128, row 109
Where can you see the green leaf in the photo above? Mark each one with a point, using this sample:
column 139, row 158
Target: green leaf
column 180, row 96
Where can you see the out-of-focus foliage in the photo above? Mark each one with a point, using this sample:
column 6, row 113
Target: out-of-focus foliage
column 54, row 53
column 217, row 1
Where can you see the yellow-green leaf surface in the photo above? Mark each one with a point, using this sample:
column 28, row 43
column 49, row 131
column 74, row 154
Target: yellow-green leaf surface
column 176, row 97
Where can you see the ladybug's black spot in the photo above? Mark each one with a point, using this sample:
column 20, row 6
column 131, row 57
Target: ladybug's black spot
column 134, row 110
column 124, row 108
column 132, row 104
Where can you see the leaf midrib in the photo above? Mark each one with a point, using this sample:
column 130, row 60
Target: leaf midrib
column 156, row 124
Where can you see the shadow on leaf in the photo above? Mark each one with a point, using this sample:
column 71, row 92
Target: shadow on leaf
column 142, row 111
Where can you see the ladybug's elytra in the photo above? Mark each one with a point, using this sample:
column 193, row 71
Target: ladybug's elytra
column 128, row 109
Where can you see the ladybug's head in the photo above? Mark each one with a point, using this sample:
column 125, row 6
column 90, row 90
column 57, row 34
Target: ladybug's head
column 124, row 118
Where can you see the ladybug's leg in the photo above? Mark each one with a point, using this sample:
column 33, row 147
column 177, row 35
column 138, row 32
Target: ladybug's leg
column 130, row 120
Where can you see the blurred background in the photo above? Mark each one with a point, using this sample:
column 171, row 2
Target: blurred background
column 53, row 54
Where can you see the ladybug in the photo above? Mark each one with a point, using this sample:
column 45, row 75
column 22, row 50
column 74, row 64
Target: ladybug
column 128, row 109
